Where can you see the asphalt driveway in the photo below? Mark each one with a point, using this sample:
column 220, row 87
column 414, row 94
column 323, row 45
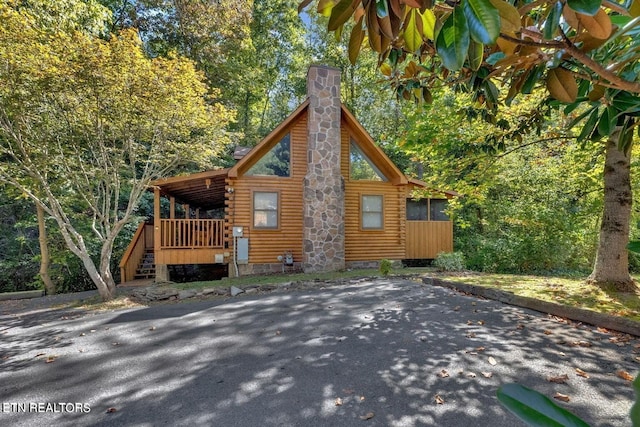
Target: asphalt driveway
column 372, row 353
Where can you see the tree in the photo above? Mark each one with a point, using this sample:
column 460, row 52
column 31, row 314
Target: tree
column 583, row 53
column 85, row 120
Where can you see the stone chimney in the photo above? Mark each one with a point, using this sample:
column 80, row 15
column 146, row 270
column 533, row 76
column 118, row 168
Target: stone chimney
column 323, row 184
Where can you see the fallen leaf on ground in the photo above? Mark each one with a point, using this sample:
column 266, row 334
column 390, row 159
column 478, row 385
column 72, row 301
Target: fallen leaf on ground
column 111, row 410
column 278, row 332
column 603, row 330
column 153, row 328
column 562, row 397
column 471, row 335
column 492, row 361
column 480, row 349
column 338, row 402
column 439, row 400
column 362, row 398
column 547, row 332
column 560, row 379
column 520, row 326
column 50, row 359
column 581, row 373
column 471, row 374
column 443, row 374
column 480, row 322
column 624, row 375
column 487, row 374
column 368, row 416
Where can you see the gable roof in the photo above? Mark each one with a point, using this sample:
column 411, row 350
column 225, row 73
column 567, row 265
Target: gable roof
column 362, row 137
column 266, row 144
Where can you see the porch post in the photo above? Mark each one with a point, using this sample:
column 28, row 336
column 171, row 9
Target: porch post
column 172, row 207
column 162, row 271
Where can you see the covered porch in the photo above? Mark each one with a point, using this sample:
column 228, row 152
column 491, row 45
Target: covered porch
column 189, row 229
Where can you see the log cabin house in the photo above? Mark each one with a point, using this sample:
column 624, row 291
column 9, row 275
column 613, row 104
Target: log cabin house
column 316, row 194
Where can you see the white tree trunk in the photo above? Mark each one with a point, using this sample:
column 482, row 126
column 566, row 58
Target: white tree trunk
column 45, row 258
column 611, row 268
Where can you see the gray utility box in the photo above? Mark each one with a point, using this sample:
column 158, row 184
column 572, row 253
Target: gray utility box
column 242, row 249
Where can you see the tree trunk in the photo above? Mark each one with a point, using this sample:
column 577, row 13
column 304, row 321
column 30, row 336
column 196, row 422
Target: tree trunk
column 45, row 258
column 611, row 268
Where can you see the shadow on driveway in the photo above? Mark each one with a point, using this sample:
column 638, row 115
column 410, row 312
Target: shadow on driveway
column 373, row 353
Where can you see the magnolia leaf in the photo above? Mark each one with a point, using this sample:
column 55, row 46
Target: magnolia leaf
column 412, row 36
column 596, row 93
column 607, row 121
column 303, row 4
column 483, row 20
column 570, row 17
column 560, row 379
column 375, row 39
column 382, row 8
column 625, row 142
column 561, row 85
column 581, row 373
column 634, row 9
column 413, row 3
column 452, row 42
column 325, row 7
column 589, row 126
column 534, row 408
column 385, row 69
column 475, row 56
column 624, row 375
column 428, row 24
column 635, row 409
column 553, row 21
column 588, row 7
column 341, row 13
column 598, row 26
column 385, row 26
column 426, row 95
column 510, row 20
column 355, row 42
column 633, row 246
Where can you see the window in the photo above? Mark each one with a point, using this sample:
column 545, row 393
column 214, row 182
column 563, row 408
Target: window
column 360, row 167
column 437, row 208
column 372, row 212
column 417, row 210
column 276, row 162
column 265, row 209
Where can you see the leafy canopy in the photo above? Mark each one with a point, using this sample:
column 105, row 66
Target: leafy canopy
column 583, row 52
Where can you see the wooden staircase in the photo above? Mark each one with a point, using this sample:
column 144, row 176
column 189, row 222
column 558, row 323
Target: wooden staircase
column 147, row 267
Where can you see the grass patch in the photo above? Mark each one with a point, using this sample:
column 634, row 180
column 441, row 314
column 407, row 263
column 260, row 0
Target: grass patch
column 569, row 291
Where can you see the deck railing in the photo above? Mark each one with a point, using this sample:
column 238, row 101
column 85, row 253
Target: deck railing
column 191, row 233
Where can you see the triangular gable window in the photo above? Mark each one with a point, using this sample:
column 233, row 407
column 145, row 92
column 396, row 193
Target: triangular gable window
column 276, row 162
column 360, row 167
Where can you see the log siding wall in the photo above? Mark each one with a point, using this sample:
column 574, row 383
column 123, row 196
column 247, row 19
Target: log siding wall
column 266, row 244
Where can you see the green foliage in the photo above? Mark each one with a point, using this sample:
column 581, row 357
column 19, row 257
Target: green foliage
column 385, row 267
column 449, row 261
column 535, row 409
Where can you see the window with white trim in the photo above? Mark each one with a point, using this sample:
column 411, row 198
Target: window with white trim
column 265, row 209
column 371, row 209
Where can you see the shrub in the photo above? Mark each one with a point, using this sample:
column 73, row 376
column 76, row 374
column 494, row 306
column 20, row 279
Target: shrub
column 449, row 261
column 385, row 267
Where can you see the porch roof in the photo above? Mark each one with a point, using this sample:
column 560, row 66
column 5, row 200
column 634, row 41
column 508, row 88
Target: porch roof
column 204, row 190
